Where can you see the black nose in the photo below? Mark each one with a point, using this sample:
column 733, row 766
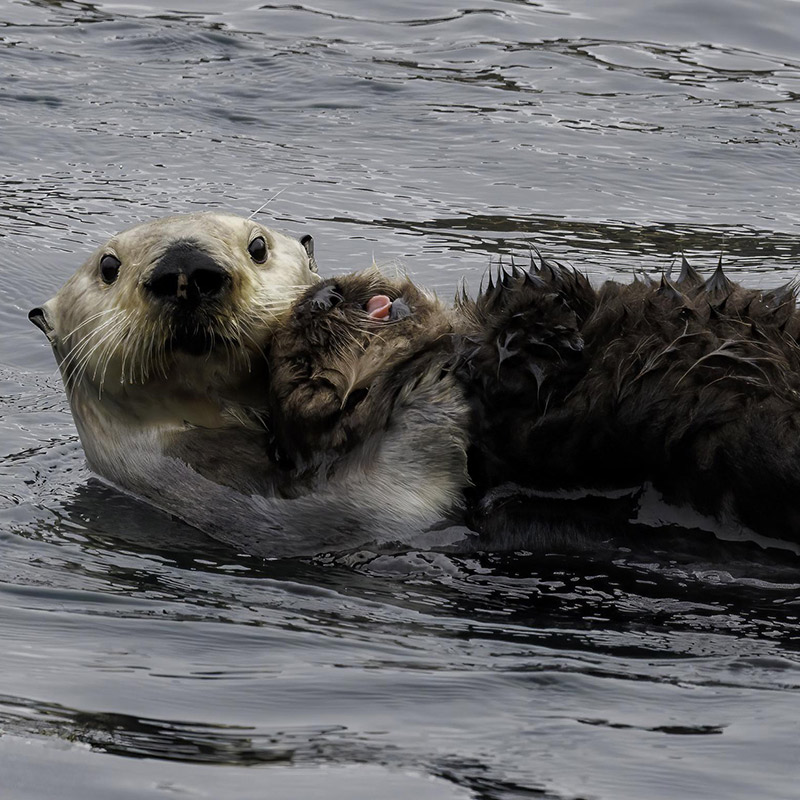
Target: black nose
column 187, row 274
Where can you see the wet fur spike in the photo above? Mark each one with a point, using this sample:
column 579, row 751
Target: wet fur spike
column 667, row 289
column 786, row 294
column 689, row 277
column 719, row 286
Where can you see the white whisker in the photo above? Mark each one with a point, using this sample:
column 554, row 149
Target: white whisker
column 274, row 197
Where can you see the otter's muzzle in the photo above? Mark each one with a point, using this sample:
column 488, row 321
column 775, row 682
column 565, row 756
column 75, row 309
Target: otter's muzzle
column 186, row 275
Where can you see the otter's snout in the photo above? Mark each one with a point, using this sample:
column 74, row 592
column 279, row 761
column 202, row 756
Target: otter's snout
column 187, row 275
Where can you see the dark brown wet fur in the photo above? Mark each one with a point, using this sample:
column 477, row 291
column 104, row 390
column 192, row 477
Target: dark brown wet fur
column 691, row 384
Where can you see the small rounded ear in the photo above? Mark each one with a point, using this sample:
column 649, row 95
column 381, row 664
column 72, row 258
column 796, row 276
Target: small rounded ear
column 308, row 245
column 40, row 317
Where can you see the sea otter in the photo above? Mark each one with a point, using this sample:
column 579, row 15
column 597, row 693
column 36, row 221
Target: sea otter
column 206, row 376
column 691, row 386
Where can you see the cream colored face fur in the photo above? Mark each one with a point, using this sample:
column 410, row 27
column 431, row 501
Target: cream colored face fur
column 113, row 340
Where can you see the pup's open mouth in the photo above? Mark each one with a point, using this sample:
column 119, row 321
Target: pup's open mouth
column 382, row 307
column 379, row 307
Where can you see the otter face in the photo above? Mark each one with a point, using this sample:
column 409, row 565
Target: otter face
column 355, row 326
column 187, row 301
column 363, row 397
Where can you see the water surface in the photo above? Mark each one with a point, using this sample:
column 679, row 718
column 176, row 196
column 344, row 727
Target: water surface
column 141, row 659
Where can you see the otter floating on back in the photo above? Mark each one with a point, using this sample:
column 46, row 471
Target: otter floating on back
column 365, row 408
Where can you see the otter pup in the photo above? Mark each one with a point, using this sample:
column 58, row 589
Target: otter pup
column 692, row 385
column 364, row 400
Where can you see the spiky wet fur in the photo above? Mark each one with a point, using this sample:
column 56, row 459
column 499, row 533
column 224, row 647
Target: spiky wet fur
column 689, row 384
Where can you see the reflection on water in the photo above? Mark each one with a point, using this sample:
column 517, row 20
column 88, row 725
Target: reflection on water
column 439, row 139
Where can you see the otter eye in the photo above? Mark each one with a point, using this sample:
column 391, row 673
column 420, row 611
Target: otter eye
column 109, row 268
column 258, row 250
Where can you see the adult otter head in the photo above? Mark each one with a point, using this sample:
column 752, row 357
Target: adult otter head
column 169, row 319
column 166, row 324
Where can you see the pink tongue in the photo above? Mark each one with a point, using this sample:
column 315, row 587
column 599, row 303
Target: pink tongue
column 378, row 307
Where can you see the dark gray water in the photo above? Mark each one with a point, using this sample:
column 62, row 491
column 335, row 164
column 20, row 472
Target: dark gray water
column 139, row 659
